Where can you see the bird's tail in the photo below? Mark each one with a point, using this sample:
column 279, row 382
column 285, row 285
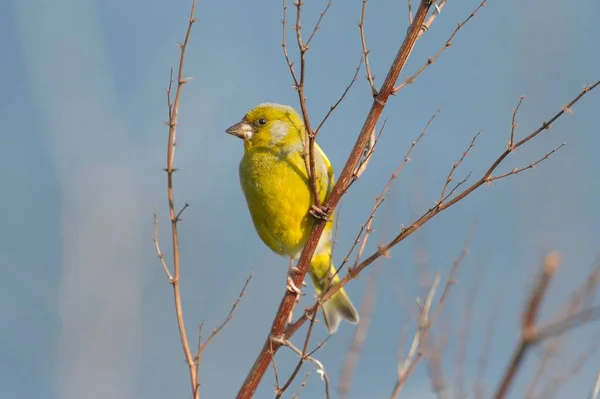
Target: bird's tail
column 337, row 307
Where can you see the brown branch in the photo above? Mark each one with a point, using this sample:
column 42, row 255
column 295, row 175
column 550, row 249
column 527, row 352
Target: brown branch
column 596, row 390
column 532, row 165
column 308, row 356
column 528, row 322
column 159, row 253
column 383, row 250
column 318, row 24
column 407, row 231
column 366, row 227
column 278, row 327
column 588, row 353
column 365, row 50
column 358, row 341
column 513, row 125
column 302, row 386
column 309, row 161
column 368, row 153
column 338, row 102
column 411, row 79
column 173, row 108
column 414, row 352
column 217, row 330
column 303, row 356
column 409, row 367
column 454, row 166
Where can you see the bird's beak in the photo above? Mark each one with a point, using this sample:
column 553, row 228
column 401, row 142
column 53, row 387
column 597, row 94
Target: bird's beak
column 242, row 130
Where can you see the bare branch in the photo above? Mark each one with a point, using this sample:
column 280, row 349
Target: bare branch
column 411, row 79
column 596, row 391
column 532, row 165
column 217, row 330
column 337, row 103
column 456, row 165
column 358, row 341
column 414, row 354
column 160, row 255
column 432, row 212
column 366, row 227
column 304, row 356
column 513, row 125
column 318, row 24
column 528, row 323
column 365, row 50
column 172, row 142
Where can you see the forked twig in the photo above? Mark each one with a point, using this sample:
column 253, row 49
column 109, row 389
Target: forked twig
column 173, row 107
column 411, row 79
column 365, row 50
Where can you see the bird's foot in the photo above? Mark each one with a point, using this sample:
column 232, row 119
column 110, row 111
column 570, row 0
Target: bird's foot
column 320, row 212
column 291, row 287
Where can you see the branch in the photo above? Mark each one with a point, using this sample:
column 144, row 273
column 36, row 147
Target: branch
column 278, row 327
column 528, row 323
column 358, row 341
column 365, row 51
column 414, row 353
column 411, row 79
column 217, row 330
column 438, row 208
column 173, row 108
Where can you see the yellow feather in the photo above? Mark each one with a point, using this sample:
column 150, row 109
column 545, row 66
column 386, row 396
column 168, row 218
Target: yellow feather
column 274, row 181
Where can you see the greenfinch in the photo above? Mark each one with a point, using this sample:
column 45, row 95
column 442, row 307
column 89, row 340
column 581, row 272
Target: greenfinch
column 275, row 183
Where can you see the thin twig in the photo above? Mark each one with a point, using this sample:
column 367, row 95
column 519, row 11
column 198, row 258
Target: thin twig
column 528, row 323
column 411, row 79
column 365, row 50
column 304, row 356
column 408, row 368
column 318, row 24
column 172, row 142
column 532, row 165
column 217, row 330
column 432, row 212
column 513, row 125
column 414, row 353
column 358, row 341
column 159, row 253
column 366, row 227
column 337, row 103
column 596, row 391
column 456, row 165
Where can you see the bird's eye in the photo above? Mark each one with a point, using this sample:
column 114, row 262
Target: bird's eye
column 261, row 122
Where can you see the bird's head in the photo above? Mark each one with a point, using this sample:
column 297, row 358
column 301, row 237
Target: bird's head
column 269, row 125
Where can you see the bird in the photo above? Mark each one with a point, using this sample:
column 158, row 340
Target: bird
column 275, row 184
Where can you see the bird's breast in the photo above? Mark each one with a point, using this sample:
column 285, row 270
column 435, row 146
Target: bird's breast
column 276, row 190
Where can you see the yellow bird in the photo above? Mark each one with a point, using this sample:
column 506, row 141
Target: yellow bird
column 274, row 181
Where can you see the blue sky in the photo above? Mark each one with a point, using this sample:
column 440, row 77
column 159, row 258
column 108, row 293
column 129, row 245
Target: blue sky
column 86, row 311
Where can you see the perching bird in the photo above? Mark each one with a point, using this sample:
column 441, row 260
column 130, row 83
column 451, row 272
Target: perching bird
column 274, row 181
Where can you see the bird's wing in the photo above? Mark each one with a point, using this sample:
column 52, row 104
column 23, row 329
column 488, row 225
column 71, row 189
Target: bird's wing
column 330, row 174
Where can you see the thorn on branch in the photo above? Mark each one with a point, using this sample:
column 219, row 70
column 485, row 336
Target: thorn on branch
column 178, row 217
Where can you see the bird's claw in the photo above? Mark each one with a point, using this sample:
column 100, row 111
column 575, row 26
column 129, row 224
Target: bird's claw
column 292, row 287
column 319, row 212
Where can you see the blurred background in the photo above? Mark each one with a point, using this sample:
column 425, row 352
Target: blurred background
column 86, row 310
